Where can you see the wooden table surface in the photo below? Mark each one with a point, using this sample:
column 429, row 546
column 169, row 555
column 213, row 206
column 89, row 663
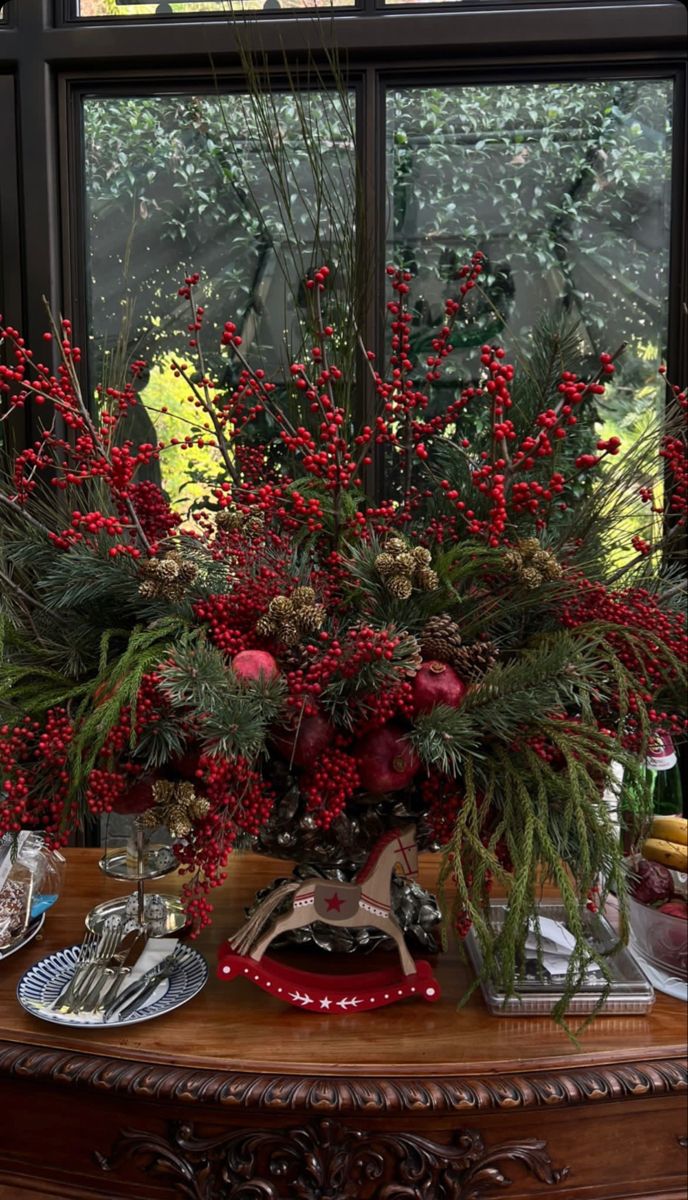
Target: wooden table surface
column 235, row 1026
column 439, row 1096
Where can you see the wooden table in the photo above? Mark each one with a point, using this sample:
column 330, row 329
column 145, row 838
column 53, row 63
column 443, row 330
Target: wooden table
column 240, row 1097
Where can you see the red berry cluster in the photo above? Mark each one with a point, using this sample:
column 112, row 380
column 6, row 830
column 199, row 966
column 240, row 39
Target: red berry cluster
column 658, row 641
column 90, row 448
column 34, row 777
column 442, row 801
column 375, row 709
column 329, row 785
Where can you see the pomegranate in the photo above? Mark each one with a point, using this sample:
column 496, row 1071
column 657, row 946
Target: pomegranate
column 138, row 799
column 303, row 742
column 386, row 760
column 650, row 882
column 255, row 664
column 186, row 765
column 437, row 683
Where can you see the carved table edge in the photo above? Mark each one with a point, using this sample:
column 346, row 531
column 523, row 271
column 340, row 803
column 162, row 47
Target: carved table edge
column 281, row 1093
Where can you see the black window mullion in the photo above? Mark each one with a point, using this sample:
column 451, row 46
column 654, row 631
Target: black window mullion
column 10, row 260
column 37, row 172
column 677, row 353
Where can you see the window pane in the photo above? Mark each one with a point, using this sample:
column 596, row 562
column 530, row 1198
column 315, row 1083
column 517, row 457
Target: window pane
column 87, row 9
column 226, row 187
column 492, row 3
column 565, row 187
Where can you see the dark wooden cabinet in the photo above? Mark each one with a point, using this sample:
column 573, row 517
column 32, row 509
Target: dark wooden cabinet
column 238, row 1097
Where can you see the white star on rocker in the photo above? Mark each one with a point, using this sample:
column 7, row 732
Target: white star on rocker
column 326, row 1002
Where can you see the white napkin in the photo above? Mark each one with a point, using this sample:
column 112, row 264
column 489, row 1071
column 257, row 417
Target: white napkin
column 557, row 945
column 155, row 949
column 555, row 938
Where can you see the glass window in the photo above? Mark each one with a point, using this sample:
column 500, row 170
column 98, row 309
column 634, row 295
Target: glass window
column 88, row 9
column 565, row 187
column 224, row 187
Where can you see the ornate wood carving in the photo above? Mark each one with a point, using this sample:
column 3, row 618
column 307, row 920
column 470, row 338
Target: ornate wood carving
column 347, row 1095
column 328, row 1161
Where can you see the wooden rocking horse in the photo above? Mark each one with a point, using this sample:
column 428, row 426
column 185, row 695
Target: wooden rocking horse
column 365, row 901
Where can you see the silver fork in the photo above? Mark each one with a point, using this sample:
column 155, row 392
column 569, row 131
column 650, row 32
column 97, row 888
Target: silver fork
column 120, row 964
column 133, row 996
column 84, row 958
column 84, row 996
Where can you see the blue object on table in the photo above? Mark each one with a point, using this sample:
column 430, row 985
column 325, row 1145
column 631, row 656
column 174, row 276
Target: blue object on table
column 41, row 904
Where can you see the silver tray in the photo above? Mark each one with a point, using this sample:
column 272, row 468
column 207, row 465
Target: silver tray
column 629, row 992
column 22, row 939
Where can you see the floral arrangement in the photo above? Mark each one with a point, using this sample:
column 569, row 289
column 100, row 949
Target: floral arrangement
column 465, row 649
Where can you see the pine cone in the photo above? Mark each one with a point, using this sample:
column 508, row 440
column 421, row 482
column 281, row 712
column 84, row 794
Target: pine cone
column 264, row 626
column 472, row 662
column 164, row 791
column 312, row 618
column 426, row 579
column 531, row 563
column 199, row 807
column 441, row 638
column 530, row 577
column 405, row 563
column 400, row 586
column 386, row 564
column 255, row 522
column 289, row 632
column 178, row 821
column 166, row 578
column 303, row 597
column 545, row 562
column 228, row 520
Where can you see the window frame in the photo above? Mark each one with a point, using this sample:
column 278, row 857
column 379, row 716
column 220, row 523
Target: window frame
column 54, row 58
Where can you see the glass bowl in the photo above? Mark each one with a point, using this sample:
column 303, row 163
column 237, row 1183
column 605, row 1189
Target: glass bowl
column 662, row 939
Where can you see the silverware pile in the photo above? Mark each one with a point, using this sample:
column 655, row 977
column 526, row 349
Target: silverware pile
column 103, row 960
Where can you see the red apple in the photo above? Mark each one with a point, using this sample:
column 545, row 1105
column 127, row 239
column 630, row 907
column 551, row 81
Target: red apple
column 387, row 761
column 255, row 664
column 676, row 908
column 303, row 742
column 650, row 882
column 437, row 683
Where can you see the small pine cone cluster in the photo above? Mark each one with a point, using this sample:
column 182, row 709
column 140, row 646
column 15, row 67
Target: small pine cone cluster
column 404, row 568
column 472, row 662
column 177, row 806
column 440, row 639
column 531, row 564
column 166, row 578
column 231, row 520
column 289, row 619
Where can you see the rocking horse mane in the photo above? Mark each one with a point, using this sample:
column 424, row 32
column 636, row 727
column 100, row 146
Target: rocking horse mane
column 374, row 856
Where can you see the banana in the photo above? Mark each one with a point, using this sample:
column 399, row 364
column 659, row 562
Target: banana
column 670, row 829
column 669, row 853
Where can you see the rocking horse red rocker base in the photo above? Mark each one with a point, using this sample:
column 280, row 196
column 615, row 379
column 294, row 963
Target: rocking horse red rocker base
column 365, row 901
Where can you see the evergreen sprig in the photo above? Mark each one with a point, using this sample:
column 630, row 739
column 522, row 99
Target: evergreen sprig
column 514, row 696
column 115, row 687
column 540, row 808
column 344, row 696
column 232, row 716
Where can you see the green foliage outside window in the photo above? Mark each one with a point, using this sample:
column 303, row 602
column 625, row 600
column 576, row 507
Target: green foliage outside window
column 565, row 187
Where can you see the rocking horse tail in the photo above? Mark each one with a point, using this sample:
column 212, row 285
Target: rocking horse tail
column 245, row 938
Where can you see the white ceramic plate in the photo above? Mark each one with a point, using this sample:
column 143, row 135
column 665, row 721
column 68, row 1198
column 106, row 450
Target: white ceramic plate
column 42, row 984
